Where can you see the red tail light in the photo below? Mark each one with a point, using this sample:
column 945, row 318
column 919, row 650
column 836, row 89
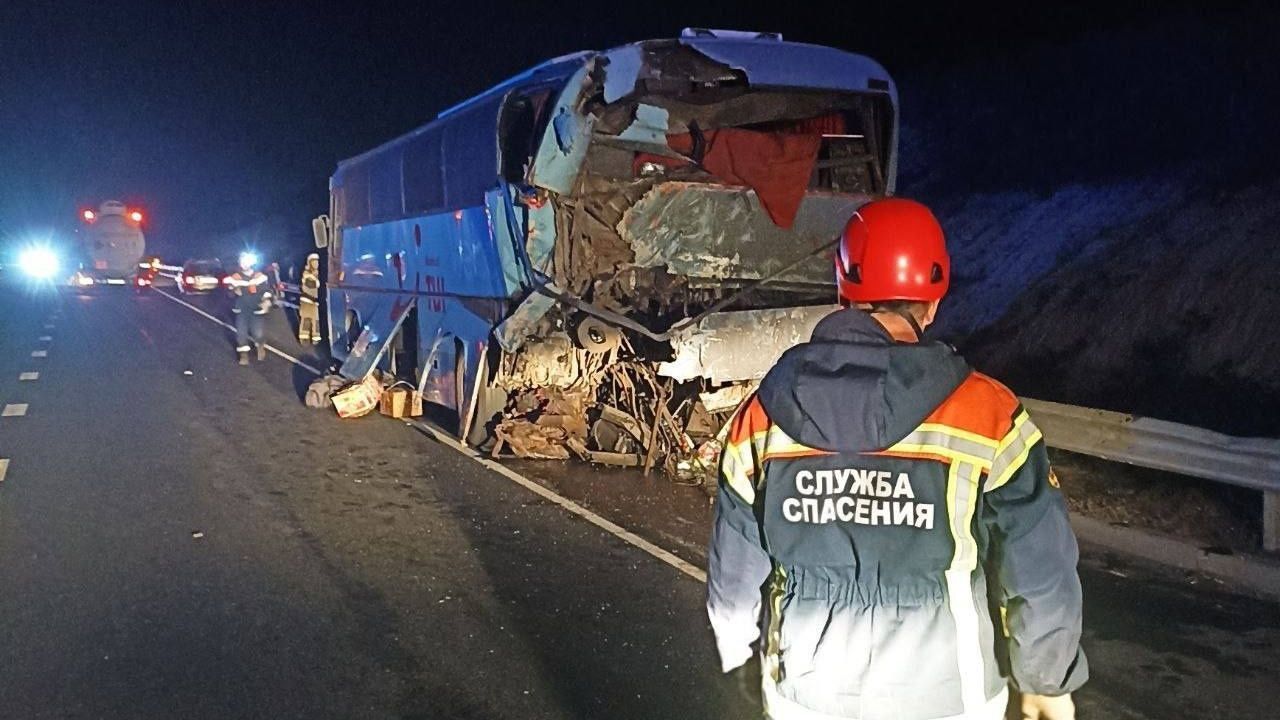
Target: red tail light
column 188, row 280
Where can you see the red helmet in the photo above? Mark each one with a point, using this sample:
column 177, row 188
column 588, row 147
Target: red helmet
column 892, row 249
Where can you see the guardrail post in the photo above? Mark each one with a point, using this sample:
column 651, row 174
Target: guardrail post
column 1271, row 521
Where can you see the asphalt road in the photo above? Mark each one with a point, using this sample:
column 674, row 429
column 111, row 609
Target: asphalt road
column 204, row 546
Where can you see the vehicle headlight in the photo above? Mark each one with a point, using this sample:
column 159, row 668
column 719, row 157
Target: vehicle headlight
column 40, row 263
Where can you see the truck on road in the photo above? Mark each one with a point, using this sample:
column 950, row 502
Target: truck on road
column 111, row 245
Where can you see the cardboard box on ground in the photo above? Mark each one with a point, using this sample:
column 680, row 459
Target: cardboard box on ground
column 400, row 401
column 359, row 398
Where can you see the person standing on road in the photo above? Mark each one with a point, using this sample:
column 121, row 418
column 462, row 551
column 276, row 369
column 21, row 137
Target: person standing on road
column 253, row 292
column 277, row 285
column 887, row 517
column 309, row 302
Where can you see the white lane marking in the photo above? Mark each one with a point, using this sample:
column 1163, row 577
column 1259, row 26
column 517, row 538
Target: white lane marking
column 608, row 526
column 29, row 376
column 232, row 328
column 45, row 338
column 40, row 353
column 4, row 468
column 14, row 410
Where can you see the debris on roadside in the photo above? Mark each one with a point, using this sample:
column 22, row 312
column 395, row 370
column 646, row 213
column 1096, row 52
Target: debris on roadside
column 400, row 400
column 196, row 534
column 634, row 418
column 358, row 398
column 321, row 390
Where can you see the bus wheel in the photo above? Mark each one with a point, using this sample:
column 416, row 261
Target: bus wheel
column 474, row 428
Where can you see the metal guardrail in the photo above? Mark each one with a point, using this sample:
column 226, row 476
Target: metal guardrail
column 1252, row 463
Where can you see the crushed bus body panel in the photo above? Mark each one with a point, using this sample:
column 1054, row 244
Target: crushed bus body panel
column 638, row 229
column 731, row 347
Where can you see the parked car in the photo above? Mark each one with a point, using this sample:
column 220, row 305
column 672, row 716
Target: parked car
column 200, row 276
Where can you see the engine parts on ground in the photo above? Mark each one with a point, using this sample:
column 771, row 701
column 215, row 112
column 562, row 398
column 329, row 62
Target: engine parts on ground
column 545, row 424
column 626, row 416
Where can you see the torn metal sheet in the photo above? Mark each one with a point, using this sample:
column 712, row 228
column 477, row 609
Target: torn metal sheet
column 649, row 128
column 621, row 72
column 541, row 238
column 521, row 324
column 769, row 63
column 564, row 144
column 718, row 232
column 566, row 126
column 552, row 362
column 727, row 398
column 601, row 457
column 624, row 420
column 381, row 326
column 740, row 345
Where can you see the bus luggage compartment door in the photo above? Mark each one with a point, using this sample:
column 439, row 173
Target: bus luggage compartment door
column 383, row 322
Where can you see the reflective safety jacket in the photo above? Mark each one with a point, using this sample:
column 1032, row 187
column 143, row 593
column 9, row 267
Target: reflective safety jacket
column 880, row 503
column 252, row 290
column 310, row 285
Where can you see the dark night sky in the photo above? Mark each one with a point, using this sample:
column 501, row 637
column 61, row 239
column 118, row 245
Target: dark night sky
column 214, row 116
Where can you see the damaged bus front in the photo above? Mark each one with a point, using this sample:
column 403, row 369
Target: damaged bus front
column 657, row 230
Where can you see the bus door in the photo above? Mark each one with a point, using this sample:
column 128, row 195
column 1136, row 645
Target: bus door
column 381, row 325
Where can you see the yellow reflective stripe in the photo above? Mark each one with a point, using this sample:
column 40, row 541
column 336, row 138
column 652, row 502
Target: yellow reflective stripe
column 776, row 436
column 777, row 442
column 737, row 473
column 739, row 462
column 944, row 451
column 962, row 493
column 1014, row 450
column 957, row 432
column 1019, row 425
column 1007, row 473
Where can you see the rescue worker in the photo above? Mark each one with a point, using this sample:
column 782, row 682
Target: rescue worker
column 253, row 293
column 888, row 525
column 309, row 302
column 277, row 285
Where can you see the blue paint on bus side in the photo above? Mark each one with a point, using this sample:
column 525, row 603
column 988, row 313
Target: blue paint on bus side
column 448, row 264
column 425, row 218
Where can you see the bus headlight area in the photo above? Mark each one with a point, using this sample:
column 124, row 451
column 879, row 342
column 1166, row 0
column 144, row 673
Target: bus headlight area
column 38, row 262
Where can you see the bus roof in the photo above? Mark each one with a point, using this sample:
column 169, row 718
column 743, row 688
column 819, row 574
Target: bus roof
column 766, row 61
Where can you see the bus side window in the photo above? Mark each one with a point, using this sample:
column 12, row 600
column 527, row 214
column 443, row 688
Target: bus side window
column 423, row 180
column 353, row 197
column 522, row 122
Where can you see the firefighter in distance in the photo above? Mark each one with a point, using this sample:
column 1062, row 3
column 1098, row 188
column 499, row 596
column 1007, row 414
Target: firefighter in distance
column 309, row 302
column 253, row 293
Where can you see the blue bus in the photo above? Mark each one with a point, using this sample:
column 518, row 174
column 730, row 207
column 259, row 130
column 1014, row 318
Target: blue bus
column 607, row 228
